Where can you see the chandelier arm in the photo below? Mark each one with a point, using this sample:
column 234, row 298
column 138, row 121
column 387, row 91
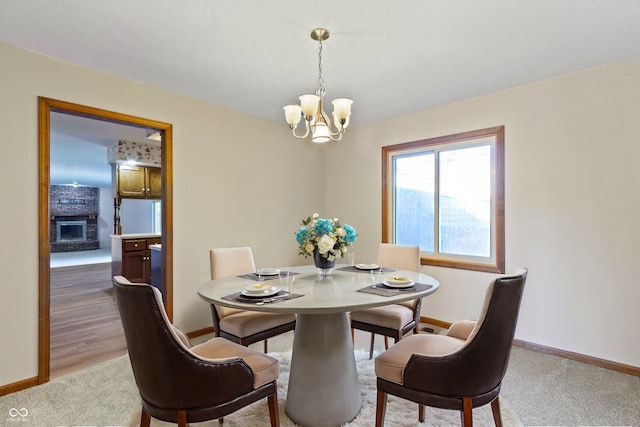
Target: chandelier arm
column 306, row 133
column 340, row 129
column 339, row 132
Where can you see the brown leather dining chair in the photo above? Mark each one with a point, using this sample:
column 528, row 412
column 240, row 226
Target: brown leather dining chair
column 461, row 370
column 182, row 384
column 243, row 326
column 394, row 320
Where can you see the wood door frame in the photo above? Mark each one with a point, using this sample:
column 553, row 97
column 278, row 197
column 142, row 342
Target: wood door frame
column 45, row 107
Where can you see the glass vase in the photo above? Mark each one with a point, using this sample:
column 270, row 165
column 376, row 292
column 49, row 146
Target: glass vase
column 324, row 266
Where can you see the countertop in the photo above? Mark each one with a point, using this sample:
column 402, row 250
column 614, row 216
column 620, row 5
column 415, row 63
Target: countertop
column 135, row 236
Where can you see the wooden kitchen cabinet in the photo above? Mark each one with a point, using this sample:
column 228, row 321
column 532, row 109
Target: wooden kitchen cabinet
column 131, row 257
column 133, row 182
column 137, row 182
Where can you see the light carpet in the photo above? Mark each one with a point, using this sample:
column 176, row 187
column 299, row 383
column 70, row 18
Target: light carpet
column 106, row 395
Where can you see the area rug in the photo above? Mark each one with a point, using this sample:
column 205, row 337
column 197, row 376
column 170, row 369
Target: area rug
column 106, row 395
column 399, row 412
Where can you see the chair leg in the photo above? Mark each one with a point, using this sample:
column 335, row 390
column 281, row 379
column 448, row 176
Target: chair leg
column 495, row 408
column 381, row 408
column 145, row 419
column 467, row 409
column 386, row 342
column 266, row 346
column 272, row 401
column 420, row 412
column 182, row 418
column 373, row 338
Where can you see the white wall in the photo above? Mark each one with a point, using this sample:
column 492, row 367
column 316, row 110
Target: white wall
column 572, row 204
column 238, row 180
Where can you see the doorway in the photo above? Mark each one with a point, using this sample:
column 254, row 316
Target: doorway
column 45, row 107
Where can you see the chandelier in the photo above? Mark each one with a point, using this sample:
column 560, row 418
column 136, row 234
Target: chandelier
column 317, row 122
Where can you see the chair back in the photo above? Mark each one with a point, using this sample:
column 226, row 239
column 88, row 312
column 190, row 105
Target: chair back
column 402, row 257
column 226, row 262
column 166, row 372
column 152, row 350
column 481, row 363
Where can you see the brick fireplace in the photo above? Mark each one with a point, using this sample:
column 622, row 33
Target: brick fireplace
column 73, row 218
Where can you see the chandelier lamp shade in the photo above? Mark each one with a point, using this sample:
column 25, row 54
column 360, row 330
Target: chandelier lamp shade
column 317, row 122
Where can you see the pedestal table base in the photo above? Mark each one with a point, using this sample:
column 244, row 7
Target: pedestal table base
column 323, row 381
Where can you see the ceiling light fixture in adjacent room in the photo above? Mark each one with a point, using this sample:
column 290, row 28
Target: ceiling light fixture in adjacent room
column 154, row 134
column 316, row 120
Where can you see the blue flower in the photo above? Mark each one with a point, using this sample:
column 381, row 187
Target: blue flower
column 302, row 235
column 323, row 226
column 351, row 234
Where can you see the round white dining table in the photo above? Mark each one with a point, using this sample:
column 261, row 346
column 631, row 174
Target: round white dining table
column 323, row 385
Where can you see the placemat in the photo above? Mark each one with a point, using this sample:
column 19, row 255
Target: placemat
column 358, row 270
column 254, row 276
column 280, row 296
column 380, row 289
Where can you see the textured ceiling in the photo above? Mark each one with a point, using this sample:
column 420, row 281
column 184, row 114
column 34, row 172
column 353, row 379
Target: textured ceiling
column 391, row 57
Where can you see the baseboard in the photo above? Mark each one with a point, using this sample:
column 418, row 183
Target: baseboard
column 435, row 322
column 200, row 332
column 17, row 386
column 589, row 360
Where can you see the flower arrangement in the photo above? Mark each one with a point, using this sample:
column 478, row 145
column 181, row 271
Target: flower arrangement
column 328, row 236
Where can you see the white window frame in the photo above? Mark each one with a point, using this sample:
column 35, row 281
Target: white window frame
column 495, row 263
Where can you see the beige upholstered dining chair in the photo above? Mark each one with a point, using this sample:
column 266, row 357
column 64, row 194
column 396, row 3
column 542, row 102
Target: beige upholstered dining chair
column 393, row 320
column 181, row 384
column 242, row 326
column 461, row 370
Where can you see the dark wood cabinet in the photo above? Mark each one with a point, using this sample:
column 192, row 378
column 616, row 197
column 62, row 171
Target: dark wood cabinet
column 137, row 182
column 131, row 258
column 157, row 270
column 133, row 182
column 154, row 183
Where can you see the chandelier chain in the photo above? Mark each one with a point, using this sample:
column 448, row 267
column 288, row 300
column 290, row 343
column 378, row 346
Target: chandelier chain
column 320, row 89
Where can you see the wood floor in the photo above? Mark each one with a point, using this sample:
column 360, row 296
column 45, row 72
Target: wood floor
column 85, row 323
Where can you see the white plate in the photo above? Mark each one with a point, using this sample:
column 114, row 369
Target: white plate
column 258, row 287
column 267, row 271
column 367, row 266
column 397, row 280
column 264, row 293
column 398, row 283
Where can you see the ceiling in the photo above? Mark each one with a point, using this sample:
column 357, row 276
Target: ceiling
column 78, row 149
column 391, row 57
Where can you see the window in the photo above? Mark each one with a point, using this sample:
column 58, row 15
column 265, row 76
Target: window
column 156, row 216
column 446, row 195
